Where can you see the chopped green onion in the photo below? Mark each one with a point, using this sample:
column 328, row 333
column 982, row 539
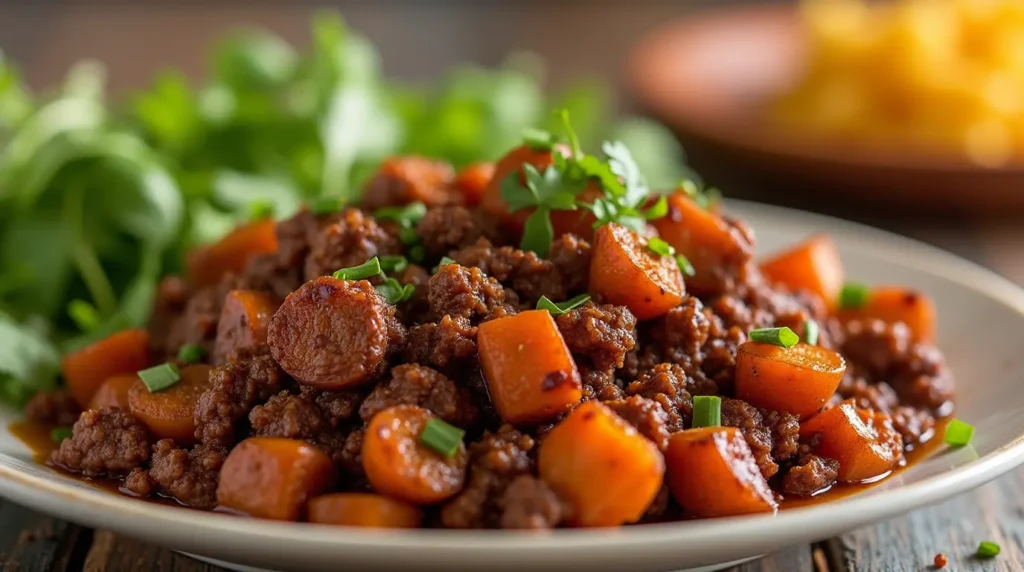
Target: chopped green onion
column 854, row 295
column 84, row 314
column 394, row 292
column 60, row 433
column 393, row 263
column 811, row 332
column 538, row 139
column 958, row 433
column 444, row 262
column 442, row 437
column 707, row 411
column 417, row 253
column 684, row 265
column 160, row 377
column 260, row 210
column 408, row 236
column 559, row 308
column 326, row 205
column 191, row 353
column 406, row 216
column 368, row 269
column 783, row 337
column 659, row 246
column 987, row 549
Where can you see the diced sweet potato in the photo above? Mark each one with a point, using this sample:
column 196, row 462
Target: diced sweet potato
column 712, row 473
column 602, row 466
column 813, row 265
column 273, row 478
column 169, row 414
column 863, row 441
column 208, row 264
column 472, row 182
column 530, row 373
column 86, row 369
column 114, row 392
column 895, row 304
column 365, row 510
column 799, row 380
column 624, row 271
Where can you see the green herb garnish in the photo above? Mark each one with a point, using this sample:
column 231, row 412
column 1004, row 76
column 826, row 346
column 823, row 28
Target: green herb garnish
column 326, row 205
column 58, row 434
column 368, row 269
column 395, row 292
column 987, row 549
column 444, row 261
column 538, row 139
column 191, row 353
column 84, row 314
column 260, row 210
column 811, row 332
column 958, row 433
column 443, row 438
column 684, row 265
column 854, row 295
column 660, row 247
column 559, row 308
column 160, row 377
column 782, row 337
column 707, row 411
column 406, row 216
column 391, row 264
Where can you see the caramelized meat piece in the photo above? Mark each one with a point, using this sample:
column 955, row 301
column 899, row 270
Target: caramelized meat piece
column 460, row 291
column 422, row 386
column 56, row 408
column 103, row 443
column 602, row 334
column 350, row 241
column 237, row 387
column 495, row 460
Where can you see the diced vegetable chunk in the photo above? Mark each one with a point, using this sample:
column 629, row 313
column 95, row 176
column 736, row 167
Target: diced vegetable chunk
column 624, row 271
column 243, row 323
column 208, row 264
column 529, row 371
column 170, row 413
column 895, row 304
column 712, row 473
column 799, row 380
column 601, row 465
column 114, row 392
column 273, row 478
column 472, row 182
column 863, row 441
column 364, row 510
column 813, row 265
column 86, row 369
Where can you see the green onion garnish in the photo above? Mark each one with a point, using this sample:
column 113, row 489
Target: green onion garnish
column 393, row 263
column 783, row 337
column 191, row 353
column 707, row 411
column 811, row 332
column 326, row 205
column 368, row 269
column 684, row 265
column 987, row 549
column 559, row 308
column 394, row 292
column 442, row 437
column 260, row 210
column 659, row 246
column 958, row 433
column 84, row 314
column 160, row 377
column 444, row 262
column 854, row 295
column 417, row 254
column 60, row 433
column 538, row 139
column 406, row 216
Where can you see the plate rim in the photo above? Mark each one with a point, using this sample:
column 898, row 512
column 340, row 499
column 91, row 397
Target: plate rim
column 90, row 505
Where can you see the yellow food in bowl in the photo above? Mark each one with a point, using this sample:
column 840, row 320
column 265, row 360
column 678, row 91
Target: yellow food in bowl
column 944, row 75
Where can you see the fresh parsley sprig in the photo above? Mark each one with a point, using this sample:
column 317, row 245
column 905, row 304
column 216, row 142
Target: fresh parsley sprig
column 548, row 191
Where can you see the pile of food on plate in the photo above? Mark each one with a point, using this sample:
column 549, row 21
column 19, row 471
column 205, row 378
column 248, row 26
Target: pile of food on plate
column 540, row 342
column 940, row 75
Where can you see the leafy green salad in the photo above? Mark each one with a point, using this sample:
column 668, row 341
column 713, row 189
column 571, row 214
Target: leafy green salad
column 99, row 199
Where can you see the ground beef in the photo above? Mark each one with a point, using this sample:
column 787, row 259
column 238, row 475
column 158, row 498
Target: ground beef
column 197, row 323
column 138, row 483
column 417, row 308
column 599, row 384
column 773, row 436
column 667, row 385
column 268, row 273
column 172, row 294
column 523, row 271
column 337, row 407
column 680, row 335
column 810, row 475
column 451, row 227
column 648, row 416
column 913, row 425
column 56, row 408
column 103, row 443
column 350, row 241
column 414, row 384
column 719, row 354
column 495, row 460
column 571, row 256
column 351, row 455
column 298, row 417
column 190, row 477
column 457, row 290
column 601, row 334
column 528, row 503
column 237, row 387
column 451, row 341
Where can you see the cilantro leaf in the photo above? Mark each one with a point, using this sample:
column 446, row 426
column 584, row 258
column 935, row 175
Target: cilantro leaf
column 538, row 232
column 621, row 162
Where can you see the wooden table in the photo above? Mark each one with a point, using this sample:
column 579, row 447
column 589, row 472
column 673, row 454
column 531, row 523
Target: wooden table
column 135, row 38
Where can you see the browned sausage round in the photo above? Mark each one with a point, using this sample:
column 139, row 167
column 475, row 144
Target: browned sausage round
column 243, row 323
column 331, row 333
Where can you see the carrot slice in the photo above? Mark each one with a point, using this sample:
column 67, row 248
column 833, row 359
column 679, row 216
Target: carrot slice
column 208, row 264
column 169, row 413
column 399, row 466
column 863, row 441
column 710, row 243
column 472, row 182
column 530, row 373
column 86, row 369
column 114, row 392
column 624, row 271
column 601, row 465
column 711, row 473
column 243, row 323
column 813, row 265
column 895, row 304
column 799, row 380
column 273, row 478
column 364, row 510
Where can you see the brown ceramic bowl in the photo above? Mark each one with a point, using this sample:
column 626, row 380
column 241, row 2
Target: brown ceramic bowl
column 709, row 77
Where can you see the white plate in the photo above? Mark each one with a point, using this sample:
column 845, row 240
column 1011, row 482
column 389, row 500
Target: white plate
column 981, row 317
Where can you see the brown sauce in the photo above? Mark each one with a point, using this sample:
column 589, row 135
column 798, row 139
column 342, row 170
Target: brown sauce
column 37, row 438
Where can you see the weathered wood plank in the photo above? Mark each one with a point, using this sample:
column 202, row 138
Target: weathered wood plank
column 795, row 559
column 113, row 553
column 954, row 528
column 32, row 542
